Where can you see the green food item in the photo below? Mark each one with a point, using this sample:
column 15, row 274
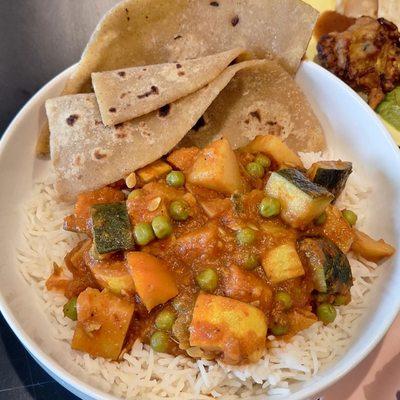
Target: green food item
column 161, row 226
column 251, row 261
column 255, row 170
column 135, row 194
column 179, row 210
column 245, row 236
column 329, row 266
column 340, row 300
column 207, row 280
column 326, row 313
column 332, row 175
column 175, row 179
column 263, row 160
column 111, row 227
column 143, row 233
column 389, row 108
column 269, row 207
column 159, row 341
column 70, row 309
column 279, row 329
column 321, row 219
column 285, row 299
column 350, row 217
column 165, row 319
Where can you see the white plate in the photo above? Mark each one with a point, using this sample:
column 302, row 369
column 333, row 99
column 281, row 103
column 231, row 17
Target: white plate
column 350, row 126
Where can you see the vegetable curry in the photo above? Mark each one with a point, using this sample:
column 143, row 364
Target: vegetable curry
column 209, row 251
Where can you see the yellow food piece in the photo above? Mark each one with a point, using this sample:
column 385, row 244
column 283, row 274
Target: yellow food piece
column 103, row 321
column 153, row 171
column 282, row 263
column 371, row 249
column 215, row 207
column 217, row 168
column 236, row 329
column 274, row 148
column 114, row 276
column 154, row 283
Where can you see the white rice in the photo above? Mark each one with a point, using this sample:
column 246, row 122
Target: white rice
column 148, row 375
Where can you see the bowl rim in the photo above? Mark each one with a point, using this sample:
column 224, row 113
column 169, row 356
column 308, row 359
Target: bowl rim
column 69, row 380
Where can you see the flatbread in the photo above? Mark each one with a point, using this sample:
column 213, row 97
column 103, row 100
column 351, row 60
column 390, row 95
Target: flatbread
column 390, row 10
column 132, row 92
column 358, row 8
column 88, row 155
column 145, row 32
column 263, row 100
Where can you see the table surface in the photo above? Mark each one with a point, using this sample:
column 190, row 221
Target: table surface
column 38, row 39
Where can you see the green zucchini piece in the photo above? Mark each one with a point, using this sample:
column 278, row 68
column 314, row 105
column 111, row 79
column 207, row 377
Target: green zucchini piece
column 111, row 227
column 328, row 265
column 301, row 199
column 332, row 175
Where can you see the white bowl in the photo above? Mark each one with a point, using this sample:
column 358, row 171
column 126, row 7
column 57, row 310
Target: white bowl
column 350, row 126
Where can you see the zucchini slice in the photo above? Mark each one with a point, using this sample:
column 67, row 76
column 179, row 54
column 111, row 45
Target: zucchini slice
column 111, row 227
column 328, row 265
column 301, row 199
column 332, row 175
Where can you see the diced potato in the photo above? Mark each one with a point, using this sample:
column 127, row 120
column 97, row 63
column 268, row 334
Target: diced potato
column 282, row 263
column 183, row 158
column 103, row 321
column 161, row 189
column 113, row 275
column 154, row 283
column 274, row 148
column 153, row 171
column 236, row 329
column 301, row 200
column 245, row 286
column 217, row 168
column 335, row 228
column 371, row 249
column 215, row 207
column 202, row 241
column 277, row 231
column 78, row 221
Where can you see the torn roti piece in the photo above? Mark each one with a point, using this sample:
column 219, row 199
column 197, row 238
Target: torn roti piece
column 87, row 155
column 132, row 92
column 144, row 32
column 263, row 100
column 390, row 10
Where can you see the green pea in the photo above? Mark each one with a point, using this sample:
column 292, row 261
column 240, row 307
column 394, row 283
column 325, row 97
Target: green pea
column 350, row 217
column 279, row 329
column 321, row 219
column 251, row 261
column 135, row 194
column 326, row 313
column 263, row 160
column 143, row 233
column 285, row 299
column 269, row 207
column 70, row 309
column 179, row 210
column 175, row 179
column 161, row 226
column 165, row 319
column 159, row 341
column 207, row 280
column 340, row 300
column 255, row 170
column 245, row 236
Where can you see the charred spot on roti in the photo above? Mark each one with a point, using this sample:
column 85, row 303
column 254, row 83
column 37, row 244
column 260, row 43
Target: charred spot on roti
column 119, row 133
column 127, row 14
column 72, row 119
column 246, row 121
column 256, row 114
column 181, row 73
column 178, row 37
column 199, row 124
column 97, row 122
column 124, row 94
column 122, row 73
column 77, row 161
column 153, row 90
column 178, row 65
column 214, row 4
column 112, row 109
column 99, row 154
column 235, row 20
column 164, row 111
